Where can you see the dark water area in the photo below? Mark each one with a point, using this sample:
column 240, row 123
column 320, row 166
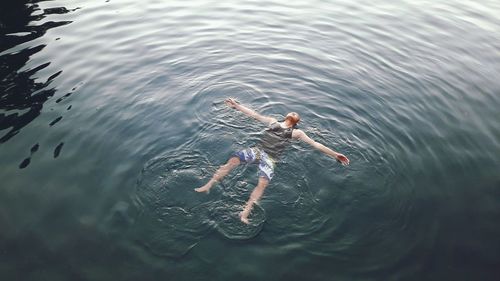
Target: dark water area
column 111, row 112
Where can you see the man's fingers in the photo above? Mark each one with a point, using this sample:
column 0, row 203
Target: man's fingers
column 343, row 159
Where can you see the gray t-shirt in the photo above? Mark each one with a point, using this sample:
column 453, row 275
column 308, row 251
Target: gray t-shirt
column 275, row 139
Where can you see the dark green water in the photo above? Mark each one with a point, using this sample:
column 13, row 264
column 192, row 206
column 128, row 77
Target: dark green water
column 111, row 112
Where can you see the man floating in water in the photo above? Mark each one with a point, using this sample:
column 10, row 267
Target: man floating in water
column 273, row 142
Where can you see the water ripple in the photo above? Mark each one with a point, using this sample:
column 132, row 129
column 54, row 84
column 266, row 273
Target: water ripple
column 409, row 91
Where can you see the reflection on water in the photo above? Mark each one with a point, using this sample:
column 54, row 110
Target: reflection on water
column 22, row 94
column 111, row 112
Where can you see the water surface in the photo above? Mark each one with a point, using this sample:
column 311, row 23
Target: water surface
column 111, row 112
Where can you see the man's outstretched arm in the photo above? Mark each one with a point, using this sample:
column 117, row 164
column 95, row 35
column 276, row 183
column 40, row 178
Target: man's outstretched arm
column 299, row 134
column 250, row 112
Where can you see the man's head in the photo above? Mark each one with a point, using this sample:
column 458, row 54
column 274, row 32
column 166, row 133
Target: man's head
column 293, row 117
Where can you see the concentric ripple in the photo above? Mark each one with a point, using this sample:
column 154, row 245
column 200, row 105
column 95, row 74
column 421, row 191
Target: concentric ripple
column 172, row 217
column 91, row 94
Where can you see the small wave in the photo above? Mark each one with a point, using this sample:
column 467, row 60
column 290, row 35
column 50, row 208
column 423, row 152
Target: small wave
column 225, row 214
column 170, row 214
column 172, row 217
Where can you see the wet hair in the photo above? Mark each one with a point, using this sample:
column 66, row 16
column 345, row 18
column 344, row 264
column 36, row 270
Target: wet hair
column 295, row 119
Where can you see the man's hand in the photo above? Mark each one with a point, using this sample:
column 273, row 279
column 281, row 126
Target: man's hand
column 342, row 159
column 231, row 102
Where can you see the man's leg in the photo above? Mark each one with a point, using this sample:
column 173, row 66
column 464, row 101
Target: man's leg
column 254, row 198
column 232, row 163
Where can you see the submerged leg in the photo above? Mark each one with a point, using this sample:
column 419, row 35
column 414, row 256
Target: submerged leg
column 223, row 170
column 254, row 198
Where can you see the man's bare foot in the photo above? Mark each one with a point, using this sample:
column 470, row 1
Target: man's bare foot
column 244, row 218
column 205, row 188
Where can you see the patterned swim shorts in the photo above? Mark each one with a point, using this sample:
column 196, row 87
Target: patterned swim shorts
column 258, row 156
